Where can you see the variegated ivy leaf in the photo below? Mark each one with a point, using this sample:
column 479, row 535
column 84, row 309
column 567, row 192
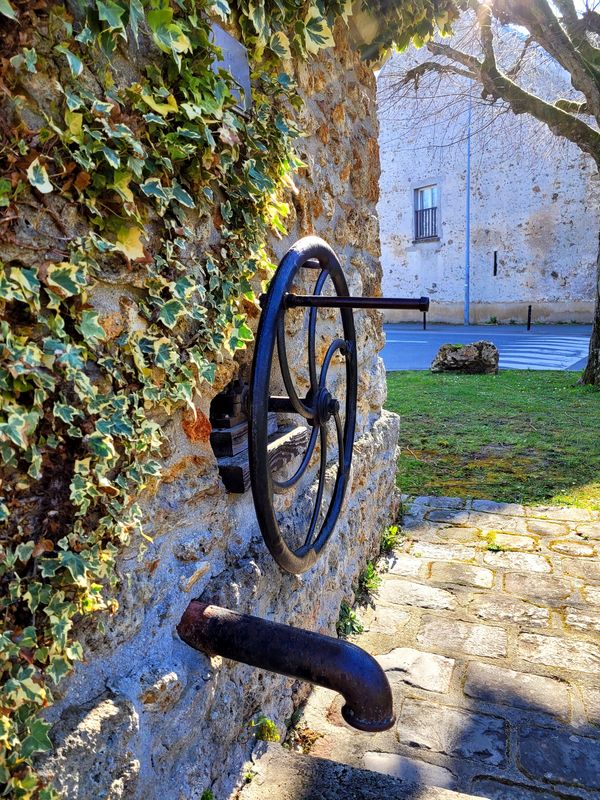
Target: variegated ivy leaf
column 280, row 45
column 38, row 177
column 317, row 33
column 111, row 13
column 7, row 10
column 75, row 63
column 153, row 188
column 165, row 354
column 129, row 242
column 170, row 313
column 111, row 156
column 168, row 107
column 180, row 194
column 220, row 8
column 136, row 16
column 67, row 279
column 90, row 327
column 37, row 740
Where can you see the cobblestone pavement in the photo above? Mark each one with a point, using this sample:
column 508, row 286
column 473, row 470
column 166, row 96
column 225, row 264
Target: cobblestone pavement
column 488, row 625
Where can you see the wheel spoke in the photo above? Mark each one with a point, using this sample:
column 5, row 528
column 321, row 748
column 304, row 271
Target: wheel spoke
column 282, row 486
column 319, row 499
column 312, row 326
column 298, row 405
column 337, row 344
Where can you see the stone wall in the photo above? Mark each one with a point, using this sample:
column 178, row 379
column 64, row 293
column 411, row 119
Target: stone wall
column 535, row 200
column 146, row 716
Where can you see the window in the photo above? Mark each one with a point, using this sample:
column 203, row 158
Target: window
column 426, row 213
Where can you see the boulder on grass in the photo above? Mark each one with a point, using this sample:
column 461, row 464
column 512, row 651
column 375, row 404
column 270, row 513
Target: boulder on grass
column 470, row 359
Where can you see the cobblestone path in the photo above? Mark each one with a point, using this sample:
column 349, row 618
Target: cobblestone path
column 488, row 625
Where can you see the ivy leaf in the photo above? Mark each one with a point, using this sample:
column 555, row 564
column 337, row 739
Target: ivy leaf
column 129, row 242
column 280, row 45
column 75, row 63
column 136, row 15
column 180, row 194
column 121, row 185
column 221, row 8
column 317, row 33
column 110, row 13
column 38, row 177
column 165, row 354
column 153, row 188
column 90, row 328
column 57, row 669
column 161, row 108
column 111, row 156
column 7, row 10
column 37, row 741
column 76, row 566
column 68, row 278
column 170, row 313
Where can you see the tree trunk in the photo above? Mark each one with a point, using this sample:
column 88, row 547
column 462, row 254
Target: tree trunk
column 591, row 374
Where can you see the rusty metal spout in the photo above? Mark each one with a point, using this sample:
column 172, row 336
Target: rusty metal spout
column 297, row 653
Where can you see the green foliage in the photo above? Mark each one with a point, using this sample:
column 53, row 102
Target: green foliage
column 207, row 794
column 141, row 163
column 520, row 436
column 369, row 580
column 390, row 539
column 264, row 729
column 348, row 623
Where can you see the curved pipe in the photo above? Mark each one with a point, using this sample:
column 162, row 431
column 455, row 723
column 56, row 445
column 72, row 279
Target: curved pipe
column 297, row 653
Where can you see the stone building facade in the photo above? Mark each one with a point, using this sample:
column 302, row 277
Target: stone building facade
column 535, row 210
column 146, row 716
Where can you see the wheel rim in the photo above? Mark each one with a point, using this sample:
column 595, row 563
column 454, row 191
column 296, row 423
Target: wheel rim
column 317, row 408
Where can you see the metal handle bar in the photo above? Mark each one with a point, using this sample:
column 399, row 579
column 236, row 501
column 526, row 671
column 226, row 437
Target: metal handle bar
column 322, row 301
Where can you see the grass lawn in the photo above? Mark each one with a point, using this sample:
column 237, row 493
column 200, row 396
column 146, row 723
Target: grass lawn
column 520, row 436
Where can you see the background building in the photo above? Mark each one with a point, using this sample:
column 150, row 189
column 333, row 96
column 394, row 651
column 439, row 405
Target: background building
column 534, row 198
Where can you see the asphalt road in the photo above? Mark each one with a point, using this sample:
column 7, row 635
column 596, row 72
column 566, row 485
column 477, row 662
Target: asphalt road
column 562, row 347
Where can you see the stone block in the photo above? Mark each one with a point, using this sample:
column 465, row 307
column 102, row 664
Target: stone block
column 384, row 619
column 462, row 535
column 589, row 531
column 497, row 522
column 461, row 574
column 500, row 790
column 592, row 594
column 456, row 517
column 518, row 562
column 571, row 547
column 518, row 689
column 465, row 637
column 560, row 514
column 570, row 654
column 442, row 552
column 591, row 702
column 545, row 589
column 415, row 668
column 509, row 541
column 559, row 756
column 586, row 568
column 454, row 733
column 409, row 770
column 543, row 527
column 500, row 608
column 409, row 593
column 439, row 502
column 490, row 506
column 582, row 619
column 405, row 565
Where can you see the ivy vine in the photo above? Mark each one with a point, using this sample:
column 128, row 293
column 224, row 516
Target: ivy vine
column 143, row 162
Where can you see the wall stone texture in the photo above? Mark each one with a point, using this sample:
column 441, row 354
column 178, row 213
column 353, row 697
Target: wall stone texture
column 535, row 199
column 146, row 716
